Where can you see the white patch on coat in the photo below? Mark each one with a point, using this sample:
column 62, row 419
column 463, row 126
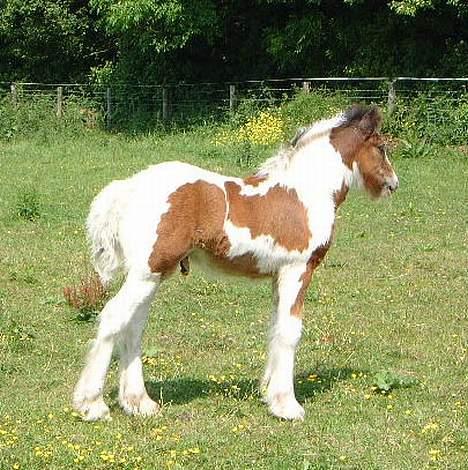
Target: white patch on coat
column 270, row 255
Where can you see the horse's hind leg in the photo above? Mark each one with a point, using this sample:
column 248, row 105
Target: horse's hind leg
column 120, row 313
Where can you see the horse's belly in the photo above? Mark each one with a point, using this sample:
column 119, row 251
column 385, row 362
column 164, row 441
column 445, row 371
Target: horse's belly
column 244, row 266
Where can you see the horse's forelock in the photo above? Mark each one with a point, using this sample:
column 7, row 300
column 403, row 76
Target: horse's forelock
column 367, row 118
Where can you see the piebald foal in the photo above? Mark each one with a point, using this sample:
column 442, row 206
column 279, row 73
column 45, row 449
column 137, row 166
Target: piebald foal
column 277, row 223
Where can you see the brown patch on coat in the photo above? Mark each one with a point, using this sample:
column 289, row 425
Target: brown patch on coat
column 314, row 261
column 254, row 180
column 340, row 195
column 195, row 219
column 279, row 213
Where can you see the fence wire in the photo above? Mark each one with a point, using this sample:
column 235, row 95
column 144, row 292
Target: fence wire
column 125, row 101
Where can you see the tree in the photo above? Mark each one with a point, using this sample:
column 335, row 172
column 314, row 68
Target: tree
column 157, row 41
column 48, row 40
column 150, row 34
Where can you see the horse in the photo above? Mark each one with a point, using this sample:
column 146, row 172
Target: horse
column 277, row 223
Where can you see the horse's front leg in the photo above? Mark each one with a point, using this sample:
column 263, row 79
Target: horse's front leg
column 289, row 287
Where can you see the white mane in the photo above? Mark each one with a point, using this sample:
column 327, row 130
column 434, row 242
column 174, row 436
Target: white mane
column 280, row 161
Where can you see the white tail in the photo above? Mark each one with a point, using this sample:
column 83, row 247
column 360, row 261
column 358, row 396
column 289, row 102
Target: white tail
column 103, row 229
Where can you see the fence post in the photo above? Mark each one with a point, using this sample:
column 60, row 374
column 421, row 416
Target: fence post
column 232, row 97
column 165, row 104
column 391, row 97
column 108, row 108
column 14, row 94
column 59, row 101
column 306, row 87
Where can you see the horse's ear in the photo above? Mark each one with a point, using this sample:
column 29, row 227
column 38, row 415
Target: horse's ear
column 371, row 121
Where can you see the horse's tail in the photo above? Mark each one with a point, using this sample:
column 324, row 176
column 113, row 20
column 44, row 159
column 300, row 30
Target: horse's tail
column 103, row 230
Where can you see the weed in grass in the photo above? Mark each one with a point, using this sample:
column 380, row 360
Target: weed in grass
column 26, row 276
column 28, row 205
column 15, row 337
column 386, row 381
column 413, row 148
column 88, row 297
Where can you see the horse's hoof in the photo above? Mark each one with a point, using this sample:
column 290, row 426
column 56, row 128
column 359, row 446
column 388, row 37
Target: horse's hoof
column 287, row 408
column 92, row 410
column 139, row 405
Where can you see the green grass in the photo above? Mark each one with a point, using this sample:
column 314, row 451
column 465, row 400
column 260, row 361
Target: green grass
column 389, row 301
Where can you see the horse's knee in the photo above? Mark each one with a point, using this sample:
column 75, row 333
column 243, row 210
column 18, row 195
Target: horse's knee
column 287, row 331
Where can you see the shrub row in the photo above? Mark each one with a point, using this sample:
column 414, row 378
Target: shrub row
column 423, row 118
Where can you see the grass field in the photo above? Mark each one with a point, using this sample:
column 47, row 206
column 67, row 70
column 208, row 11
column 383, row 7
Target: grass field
column 388, row 306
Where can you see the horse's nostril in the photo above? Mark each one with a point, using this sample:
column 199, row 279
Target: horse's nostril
column 393, row 185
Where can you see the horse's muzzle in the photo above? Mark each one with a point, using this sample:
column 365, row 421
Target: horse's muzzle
column 392, row 184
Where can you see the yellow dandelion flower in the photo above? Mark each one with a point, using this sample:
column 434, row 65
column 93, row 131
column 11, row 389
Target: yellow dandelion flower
column 431, row 426
column 435, row 454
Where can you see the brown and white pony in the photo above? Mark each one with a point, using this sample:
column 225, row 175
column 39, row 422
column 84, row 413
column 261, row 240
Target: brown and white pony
column 277, row 223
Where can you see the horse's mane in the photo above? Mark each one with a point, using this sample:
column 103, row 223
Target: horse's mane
column 305, row 135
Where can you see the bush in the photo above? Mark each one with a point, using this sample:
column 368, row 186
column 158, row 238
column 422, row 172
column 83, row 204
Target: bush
column 37, row 116
column 88, row 297
column 434, row 120
column 429, row 116
column 306, row 108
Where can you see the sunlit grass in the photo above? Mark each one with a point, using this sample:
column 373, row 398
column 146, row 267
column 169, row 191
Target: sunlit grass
column 388, row 305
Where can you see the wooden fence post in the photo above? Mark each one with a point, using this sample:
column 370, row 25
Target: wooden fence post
column 232, row 97
column 108, row 108
column 59, row 110
column 165, row 104
column 391, row 97
column 14, row 94
column 306, row 87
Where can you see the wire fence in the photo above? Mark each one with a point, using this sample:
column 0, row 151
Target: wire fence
column 123, row 101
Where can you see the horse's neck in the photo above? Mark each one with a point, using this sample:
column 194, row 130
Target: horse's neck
column 316, row 173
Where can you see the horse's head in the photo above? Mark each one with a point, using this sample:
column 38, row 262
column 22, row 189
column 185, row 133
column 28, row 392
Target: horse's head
column 363, row 150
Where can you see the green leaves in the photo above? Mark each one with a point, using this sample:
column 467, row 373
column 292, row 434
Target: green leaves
column 387, row 380
column 158, row 26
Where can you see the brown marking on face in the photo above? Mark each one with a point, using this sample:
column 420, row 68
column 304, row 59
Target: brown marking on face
column 254, row 180
column 374, row 167
column 358, row 142
column 279, row 213
column 346, row 141
column 195, row 219
column 360, row 124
